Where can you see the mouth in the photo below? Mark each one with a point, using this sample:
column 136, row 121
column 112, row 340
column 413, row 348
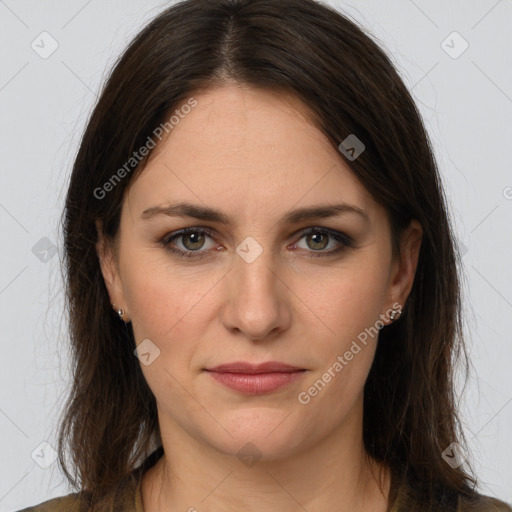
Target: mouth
column 255, row 379
column 246, row 367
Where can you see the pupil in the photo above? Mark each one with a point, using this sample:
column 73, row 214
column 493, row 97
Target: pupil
column 315, row 237
column 191, row 236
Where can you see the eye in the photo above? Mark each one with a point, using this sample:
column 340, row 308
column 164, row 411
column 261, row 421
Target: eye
column 318, row 239
column 192, row 240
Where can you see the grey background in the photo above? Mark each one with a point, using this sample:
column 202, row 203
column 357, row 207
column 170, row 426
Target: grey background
column 466, row 103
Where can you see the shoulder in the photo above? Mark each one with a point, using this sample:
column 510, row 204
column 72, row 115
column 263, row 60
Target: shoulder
column 412, row 497
column 69, row 503
column 125, row 496
column 482, row 503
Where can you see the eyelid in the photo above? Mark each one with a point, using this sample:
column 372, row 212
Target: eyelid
column 348, row 240
column 345, row 242
column 181, row 232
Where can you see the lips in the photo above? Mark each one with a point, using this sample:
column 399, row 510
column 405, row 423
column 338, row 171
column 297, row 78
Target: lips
column 255, row 379
column 251, row 368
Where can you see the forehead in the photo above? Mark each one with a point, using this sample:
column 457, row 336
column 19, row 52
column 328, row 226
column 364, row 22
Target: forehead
column 251, row 150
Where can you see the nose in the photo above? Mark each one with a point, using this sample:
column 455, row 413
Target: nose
column 256, row 298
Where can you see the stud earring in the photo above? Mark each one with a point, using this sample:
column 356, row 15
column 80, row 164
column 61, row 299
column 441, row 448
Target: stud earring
column 119, row 311
column 395, row 314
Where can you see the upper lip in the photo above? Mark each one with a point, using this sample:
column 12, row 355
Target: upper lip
column 245, row 367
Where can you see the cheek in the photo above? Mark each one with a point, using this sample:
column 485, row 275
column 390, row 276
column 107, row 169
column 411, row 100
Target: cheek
column 350, row 299
column 163, row 299
column 165, row 309
column 173, row 308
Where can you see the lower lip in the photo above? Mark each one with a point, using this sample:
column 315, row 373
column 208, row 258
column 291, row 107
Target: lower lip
column 256, row 383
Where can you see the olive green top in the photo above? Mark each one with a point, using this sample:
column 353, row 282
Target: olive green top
column 128, row 498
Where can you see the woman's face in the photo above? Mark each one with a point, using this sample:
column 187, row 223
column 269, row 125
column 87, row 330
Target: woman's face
column 257, row 287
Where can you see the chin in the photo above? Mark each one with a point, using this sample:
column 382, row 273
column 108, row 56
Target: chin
column 261, row 437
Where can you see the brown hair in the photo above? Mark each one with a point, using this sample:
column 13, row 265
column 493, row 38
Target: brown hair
column 349, row 86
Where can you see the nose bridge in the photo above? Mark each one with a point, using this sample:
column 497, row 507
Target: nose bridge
column 255, row 271
column 255, row 306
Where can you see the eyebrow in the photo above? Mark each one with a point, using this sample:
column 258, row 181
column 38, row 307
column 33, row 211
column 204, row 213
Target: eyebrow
column 209, row 214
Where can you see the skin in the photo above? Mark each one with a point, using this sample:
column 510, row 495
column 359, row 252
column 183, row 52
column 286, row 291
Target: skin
column 254, row 155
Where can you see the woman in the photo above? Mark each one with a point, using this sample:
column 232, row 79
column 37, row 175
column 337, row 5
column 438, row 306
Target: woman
column 255, row 213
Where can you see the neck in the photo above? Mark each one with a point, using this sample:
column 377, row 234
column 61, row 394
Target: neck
column 334, row 474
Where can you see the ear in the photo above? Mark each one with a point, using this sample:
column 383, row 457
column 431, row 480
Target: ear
column 109, row 269
column 403, row 269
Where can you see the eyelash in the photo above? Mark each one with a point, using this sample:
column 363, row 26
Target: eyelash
column 345, row 241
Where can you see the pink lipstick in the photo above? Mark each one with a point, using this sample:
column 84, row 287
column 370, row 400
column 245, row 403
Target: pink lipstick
column 255, row 379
